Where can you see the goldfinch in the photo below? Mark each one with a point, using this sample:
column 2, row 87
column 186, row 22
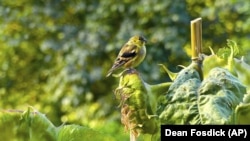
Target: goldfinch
column 131, row 54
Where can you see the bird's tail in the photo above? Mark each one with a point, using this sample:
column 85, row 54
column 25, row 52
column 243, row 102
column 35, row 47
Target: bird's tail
column 109, row 72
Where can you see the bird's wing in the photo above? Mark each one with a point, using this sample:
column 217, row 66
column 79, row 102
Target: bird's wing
column 127, row 53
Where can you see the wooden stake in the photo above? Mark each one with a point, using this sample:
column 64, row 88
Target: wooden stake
column 196, row 38
column 196, row 45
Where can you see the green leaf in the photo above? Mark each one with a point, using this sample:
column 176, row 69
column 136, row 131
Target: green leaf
column 79, row 133
column 26, row 125
column 34, row 126
column 180, row 103
column 219, row 94
column 242, row 114
column 211, row 101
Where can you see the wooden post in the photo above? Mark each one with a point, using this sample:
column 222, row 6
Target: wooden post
column 196, row 44
column 196, row 38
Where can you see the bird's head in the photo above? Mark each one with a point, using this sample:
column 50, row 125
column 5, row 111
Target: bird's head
column 138, row 40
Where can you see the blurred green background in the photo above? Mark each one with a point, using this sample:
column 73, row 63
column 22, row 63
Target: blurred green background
column 54, row 54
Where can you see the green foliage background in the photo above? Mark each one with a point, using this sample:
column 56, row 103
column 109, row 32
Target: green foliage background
column 54, row 54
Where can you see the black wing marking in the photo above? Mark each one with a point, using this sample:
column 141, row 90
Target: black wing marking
column 129, row 51
column 129, row 54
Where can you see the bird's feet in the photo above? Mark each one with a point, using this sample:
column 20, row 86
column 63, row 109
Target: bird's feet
column 131, row 70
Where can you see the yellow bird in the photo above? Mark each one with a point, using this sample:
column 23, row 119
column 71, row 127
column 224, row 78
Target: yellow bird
column 131, row 54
